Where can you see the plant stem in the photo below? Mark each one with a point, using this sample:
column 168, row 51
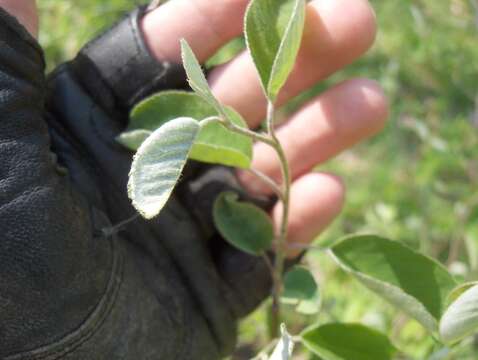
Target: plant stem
column 284, row 195
column 281, row 243
column 268, row 181
column 254, row 135
column 224, row 120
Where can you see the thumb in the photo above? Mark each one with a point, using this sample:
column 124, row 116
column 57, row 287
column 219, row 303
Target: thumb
column 25, row 11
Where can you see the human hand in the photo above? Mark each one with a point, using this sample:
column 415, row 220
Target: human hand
column 332, row 122
column 156, row 289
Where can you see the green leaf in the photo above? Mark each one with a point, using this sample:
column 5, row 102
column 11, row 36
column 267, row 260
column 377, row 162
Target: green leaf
column 214, row 144
column 196, row 77
column 227, row 52
column 301, row 290
column 461, row 317
column 459, row 290
column 414, row 283
column 158, row 109
column 285, row 346
column 133, row 139
column 273, row 31
column 338, row 341
column 244, row 225
column 471, row 242
column 158, row 163
column 288, row 50
column 218, row 145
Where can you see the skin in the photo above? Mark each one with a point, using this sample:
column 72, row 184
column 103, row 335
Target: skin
column 337, row 119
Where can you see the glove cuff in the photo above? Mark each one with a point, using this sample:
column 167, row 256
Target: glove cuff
column 118, row 69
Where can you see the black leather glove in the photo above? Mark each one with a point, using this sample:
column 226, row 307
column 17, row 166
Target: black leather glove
column 169, row 288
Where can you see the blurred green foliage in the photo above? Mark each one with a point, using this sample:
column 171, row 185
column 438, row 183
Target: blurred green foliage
column 417, row 182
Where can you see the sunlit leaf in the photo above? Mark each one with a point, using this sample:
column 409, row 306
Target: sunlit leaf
column 273, row 31
column 158, row 163
column 288, row 50
column 337, row 341
column 218, row 145
column 227, row 52
column 459, row 290
column 471, row 242
column 301, row 290
column 214, row 144
column 414, row 283
column 242, row 224
column 158, row 109
column 461, row 317
column 285, row 346
column 196, row 77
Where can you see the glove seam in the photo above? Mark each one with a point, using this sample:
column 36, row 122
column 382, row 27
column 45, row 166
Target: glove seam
column 91, row 325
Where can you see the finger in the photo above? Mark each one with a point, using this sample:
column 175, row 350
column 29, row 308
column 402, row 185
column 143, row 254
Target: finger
column 330, row 123
column 25, row 11
column 316, row 200
column 205, row 24
column 336, row 33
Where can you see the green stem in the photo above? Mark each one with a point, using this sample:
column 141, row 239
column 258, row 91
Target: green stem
column 224, row 120
column 254, row 135
column 284, row 195
column 282, row 236
column 268, row 181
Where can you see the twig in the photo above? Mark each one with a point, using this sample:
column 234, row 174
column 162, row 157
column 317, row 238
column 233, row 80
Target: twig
column 268, row 181
column 282, row 237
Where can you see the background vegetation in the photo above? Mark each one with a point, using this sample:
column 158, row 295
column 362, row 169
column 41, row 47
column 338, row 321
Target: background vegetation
column 416, row 182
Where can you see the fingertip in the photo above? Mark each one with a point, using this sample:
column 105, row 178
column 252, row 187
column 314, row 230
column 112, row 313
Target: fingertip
column 376, row 101
column 206, row 25
column 320, row 191
column 358, row 28
column 356, row 108
column 316, row 200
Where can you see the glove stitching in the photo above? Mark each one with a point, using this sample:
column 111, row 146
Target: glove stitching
column 92, row 323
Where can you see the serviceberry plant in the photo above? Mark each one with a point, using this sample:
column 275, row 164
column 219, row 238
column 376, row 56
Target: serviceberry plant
column 173, row 126
column 212, row 132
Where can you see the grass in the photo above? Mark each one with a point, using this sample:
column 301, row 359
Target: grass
column 416, row 182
